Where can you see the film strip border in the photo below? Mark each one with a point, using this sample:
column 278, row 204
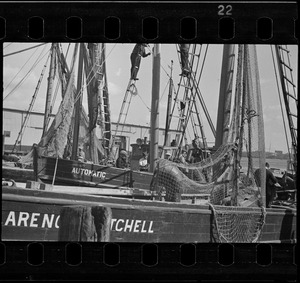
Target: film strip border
column 168, row 22
column 51, row 261
column 257, row 22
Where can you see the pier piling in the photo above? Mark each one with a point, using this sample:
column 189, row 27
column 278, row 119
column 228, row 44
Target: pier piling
column 85, row 223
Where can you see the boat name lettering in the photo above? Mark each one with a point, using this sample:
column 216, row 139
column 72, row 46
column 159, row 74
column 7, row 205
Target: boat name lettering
column 130, row 225
column 40, row 220
column 89, row 172
column 37, row 220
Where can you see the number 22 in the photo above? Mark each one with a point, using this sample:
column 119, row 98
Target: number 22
column 224, row 10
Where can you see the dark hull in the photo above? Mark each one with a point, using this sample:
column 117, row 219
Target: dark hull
column 34, row 216
column 75, row 173
column 18, row 174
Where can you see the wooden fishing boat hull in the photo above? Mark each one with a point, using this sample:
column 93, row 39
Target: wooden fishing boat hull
column 33, row 215
column 75, row 173
column 18, row 174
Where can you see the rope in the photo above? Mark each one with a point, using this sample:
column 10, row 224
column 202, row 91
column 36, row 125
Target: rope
column 9, row 44
column 28, row 73
column 144, row 102
column 54, row 175
column 20, row 51
column 80, row 93
column 20, row 69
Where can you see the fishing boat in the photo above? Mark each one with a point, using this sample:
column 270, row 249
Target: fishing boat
column 207, row 201
column 34, row 215
column 55, row 157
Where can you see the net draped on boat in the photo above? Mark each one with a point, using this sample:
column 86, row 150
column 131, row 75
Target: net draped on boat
column 238, row 224
column 234, row 192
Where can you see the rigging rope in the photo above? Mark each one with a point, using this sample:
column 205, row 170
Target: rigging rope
column 80, row 93
column 20, row 69
column 28, row 73
column 20, row 51
column 24, row 123
column 7, row 45
column 144, row 102
column 164, row 91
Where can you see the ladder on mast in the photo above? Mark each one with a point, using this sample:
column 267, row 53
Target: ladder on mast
column 188, row 105
column 24, row 124
column 104, row 115
column 131, row 90
column 289, row 92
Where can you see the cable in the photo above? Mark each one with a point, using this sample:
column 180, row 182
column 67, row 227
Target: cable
column 20, row 69
column 164, row 91
column 80, row 93
column 25, row 77
column 7, row 45
column 144, row 102
column 13, row 53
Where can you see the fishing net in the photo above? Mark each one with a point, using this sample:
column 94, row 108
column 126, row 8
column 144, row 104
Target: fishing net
column 235, row 193
column 238, row 224
column 175, row 179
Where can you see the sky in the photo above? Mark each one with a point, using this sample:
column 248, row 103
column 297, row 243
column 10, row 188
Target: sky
column 18, row 96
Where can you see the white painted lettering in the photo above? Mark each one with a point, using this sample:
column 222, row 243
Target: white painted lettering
column 23, row 217
column 128, row 226
column 143, row 226
column 34, row 219
column 112, row 223
column 73, row 170
column 117, row 225
column 56, row 222
column 150, row 227
column 136, row 226
column 11, row 218
column 48, row 221
column 94, row 174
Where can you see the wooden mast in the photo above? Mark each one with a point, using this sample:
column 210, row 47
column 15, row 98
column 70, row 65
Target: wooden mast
column 49, row 88
column 168, row 116
column 225, row 95
column 154, row 129
column 78, row 105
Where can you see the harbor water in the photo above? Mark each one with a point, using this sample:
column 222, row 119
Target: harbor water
column 274, row 163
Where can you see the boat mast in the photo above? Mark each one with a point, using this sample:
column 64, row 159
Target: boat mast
column 168, row 116
column 225, row 95
column 154, row 129
column 50, row 87
column 78, row 104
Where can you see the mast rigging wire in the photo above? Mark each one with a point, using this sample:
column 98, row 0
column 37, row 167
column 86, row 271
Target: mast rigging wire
column 80, row 93
column 7, row 45
column 28, row 73
column 20, row 69
column 20, row 51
